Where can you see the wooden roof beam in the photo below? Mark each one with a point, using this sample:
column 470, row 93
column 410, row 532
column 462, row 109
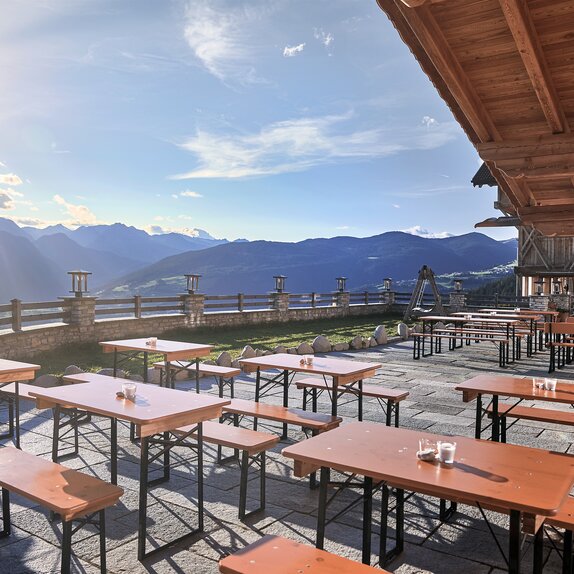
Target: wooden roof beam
column 417, row 3
column 527, row 41
column 551, row 145
column 547, row 214
column 431, row 38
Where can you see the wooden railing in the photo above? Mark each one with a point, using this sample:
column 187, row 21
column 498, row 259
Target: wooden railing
column 239, row 302
column 496, row 301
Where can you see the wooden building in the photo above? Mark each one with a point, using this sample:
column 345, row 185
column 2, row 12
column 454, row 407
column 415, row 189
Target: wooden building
column 545, row 264
column 505, row 68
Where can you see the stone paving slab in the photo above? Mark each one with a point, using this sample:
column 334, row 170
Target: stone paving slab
column 461, row 545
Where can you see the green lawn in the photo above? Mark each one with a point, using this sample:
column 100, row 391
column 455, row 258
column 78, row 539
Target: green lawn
column 89, row 356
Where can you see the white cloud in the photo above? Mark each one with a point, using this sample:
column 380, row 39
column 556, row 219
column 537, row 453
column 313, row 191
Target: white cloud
column 10, row 179
column 396, row 206
column 422, row 232
column 429, row 122
column 8, row 198
column 218, row 39
column 160, row 230
column 290, row 51
column 80, row 214
column 175, row 196
column 325, row 38
column 300, row 144
column 343, row 227
column 190, row 193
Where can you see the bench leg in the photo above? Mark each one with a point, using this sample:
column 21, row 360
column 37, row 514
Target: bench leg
column 444, row 512
column 360, row 399
column 322, row 510
column 514, row 542
column 478, row 420
column 6, row 526
column 66, row 546
column 244, row 464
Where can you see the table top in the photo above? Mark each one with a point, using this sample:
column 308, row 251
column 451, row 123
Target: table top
column 506, row 476
column 458, row 319
column 330, row 366
column 522, row 311
column 154, row 407
column 16, row 370
column 523, row 388
column 518, row 316
column 171, row 349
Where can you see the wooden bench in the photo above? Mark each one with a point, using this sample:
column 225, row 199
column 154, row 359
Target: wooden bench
column 531, row 414
column 253, row 445
column 389, row 399
column 71, row 494
column 277, row 555
column 315, row 422
column 419, row 348
column 225, row 376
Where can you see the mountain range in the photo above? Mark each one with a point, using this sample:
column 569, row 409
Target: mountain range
column 126, row 260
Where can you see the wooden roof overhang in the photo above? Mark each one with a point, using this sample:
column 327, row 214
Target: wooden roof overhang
column 506, row 70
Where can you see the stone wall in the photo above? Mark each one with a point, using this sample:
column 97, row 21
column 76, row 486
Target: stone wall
column 83, row 326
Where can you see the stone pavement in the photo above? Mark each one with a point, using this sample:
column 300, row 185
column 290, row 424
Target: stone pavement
column 463, row 544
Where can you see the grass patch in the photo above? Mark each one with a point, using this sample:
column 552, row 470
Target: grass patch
column 89, row 356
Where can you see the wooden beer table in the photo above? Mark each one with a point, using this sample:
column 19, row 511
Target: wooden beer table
column 127, row 349
column 506, row 386
column 341, row 372
column 155, row 412
column 528, row 483
column 14, row 372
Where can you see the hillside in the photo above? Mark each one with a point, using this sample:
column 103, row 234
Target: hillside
column 313, row 264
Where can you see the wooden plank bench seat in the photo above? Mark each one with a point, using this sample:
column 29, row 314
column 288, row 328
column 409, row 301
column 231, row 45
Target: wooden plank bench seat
column 419, row 347
column 564, row 518
column 531, row 414
column 277, row 555
column 389, row 399
column 71, row 494
column 253, row 445
column 315, row 422
column 225, row 376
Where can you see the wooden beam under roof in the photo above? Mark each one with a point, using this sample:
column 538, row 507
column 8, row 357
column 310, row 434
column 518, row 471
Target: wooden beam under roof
column 432, row 39
column 529, row 47
column 549, row 145
column 547, row 214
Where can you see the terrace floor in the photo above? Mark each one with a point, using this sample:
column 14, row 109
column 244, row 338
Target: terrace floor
column 461, row 545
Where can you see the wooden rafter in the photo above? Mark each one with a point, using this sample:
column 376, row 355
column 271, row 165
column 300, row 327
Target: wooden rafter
column 530, row 241
column 432, row 39
column 527, row 41
column 546, row 214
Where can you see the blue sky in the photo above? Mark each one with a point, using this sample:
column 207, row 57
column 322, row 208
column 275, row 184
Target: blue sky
column 262, row 119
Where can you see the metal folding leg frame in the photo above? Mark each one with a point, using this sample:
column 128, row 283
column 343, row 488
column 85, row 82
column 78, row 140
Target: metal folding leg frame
column 164, row 443
column 368, row 490
column 386, row 556
column 97, row 519
column 13, row 404
column 247, row 461
column 566, row 552
column 261, row 390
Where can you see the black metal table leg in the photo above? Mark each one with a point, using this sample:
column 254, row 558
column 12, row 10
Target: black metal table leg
column 114, row 450
column 285, row 399
column 257, row 391
column 6, row 525
column 514, row 542
column 567, row 553
column 538, row 551
column 17, row 414
column 495, row 420
column 144, row 456
column 66, row 546
column 102, row 527
column 478, row 421
column 322, row 510
column 367, row 518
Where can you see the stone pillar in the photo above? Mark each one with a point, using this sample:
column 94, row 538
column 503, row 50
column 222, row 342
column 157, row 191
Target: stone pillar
column 194, row 306
column 561, row 302
column 341, row 298
column 388, row 298
column 538, row 302
column 457, row 301
column 279, row 302
column 81, row 310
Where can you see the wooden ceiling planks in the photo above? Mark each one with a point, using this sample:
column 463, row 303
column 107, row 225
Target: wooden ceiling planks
column 507, row 68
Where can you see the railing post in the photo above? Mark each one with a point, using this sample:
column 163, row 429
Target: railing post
column 16, row 314
column 366, row 297
column 138, row 306
column 240, row 302
column 313, row 299
column 496, row 300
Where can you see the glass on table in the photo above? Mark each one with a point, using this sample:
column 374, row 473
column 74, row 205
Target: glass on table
column 446, row 451
column 550, row 384
column 427, row 449
column 538, row 382
column 129, row 391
